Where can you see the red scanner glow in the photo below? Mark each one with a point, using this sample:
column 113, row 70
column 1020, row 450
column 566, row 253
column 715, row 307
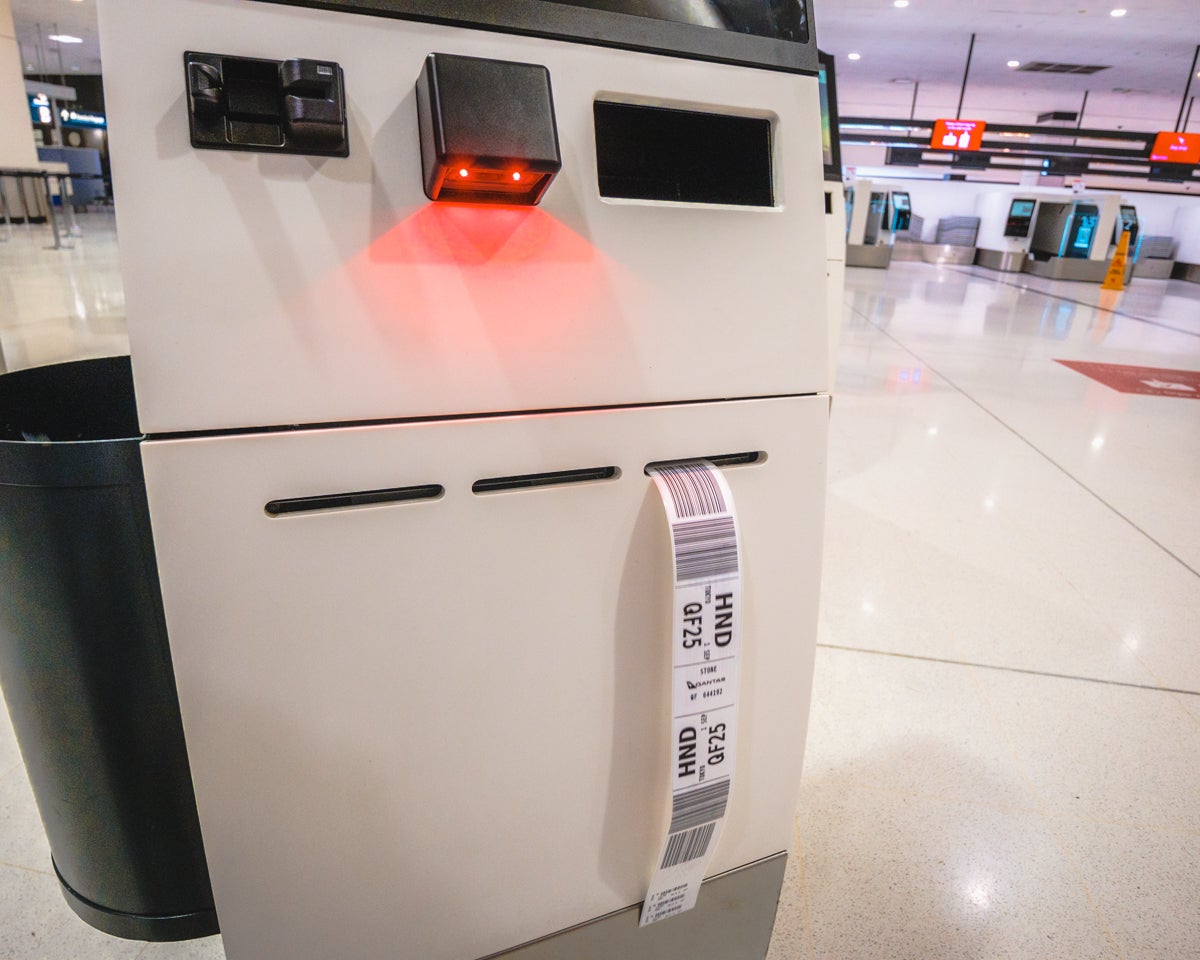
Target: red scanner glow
column 464, row 172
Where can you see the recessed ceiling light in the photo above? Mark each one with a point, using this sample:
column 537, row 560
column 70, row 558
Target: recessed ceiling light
column 900, row 3
column 854, row 56
column 1119, row 12
column 63, row 38
column 1014, row 63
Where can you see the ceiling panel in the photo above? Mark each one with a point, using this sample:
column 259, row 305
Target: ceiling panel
column 1149, row 52
column 37, row 19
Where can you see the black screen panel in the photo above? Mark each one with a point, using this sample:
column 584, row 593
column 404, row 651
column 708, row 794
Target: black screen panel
column 831, row 143
column 773, row 34
column 774, row 19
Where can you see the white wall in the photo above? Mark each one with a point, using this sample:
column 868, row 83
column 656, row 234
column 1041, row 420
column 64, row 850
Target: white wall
column 16, row 129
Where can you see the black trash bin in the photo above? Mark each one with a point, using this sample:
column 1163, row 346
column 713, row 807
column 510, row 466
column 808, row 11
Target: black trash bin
column 84, row 662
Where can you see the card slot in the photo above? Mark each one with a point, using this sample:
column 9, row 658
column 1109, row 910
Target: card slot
column 360, row 498
column 529, row 481
column 749, row 458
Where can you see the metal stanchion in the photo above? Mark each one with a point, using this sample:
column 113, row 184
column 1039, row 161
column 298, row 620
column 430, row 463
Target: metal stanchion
column 22, row 177
column 66, row 194
column 7, row 217
column 51, row 215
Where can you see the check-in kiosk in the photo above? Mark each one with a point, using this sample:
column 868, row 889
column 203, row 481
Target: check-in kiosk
column 1005, row 230
column 1127, row 222
column 868, row 233
column 1150, row 256
column 457, row 283
column 1070, row 237
column 835, row 207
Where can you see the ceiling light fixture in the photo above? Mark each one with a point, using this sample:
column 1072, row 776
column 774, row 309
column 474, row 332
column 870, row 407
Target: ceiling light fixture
column 901, row 4
column 854, row 56
column 1119, row 12
column 1014, row 63
column 64, row 38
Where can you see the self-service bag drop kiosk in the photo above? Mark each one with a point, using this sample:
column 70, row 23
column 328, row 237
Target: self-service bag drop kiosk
column 1069, row 237
column 1006, row 229
column 868, row 231
column 835, row 207
column 417, row 582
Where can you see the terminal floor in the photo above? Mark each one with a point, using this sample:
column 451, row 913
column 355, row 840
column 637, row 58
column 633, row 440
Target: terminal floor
column 1004, row 753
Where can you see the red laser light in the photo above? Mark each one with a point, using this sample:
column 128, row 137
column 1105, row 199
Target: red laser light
column 464, row 172
column 516, row 175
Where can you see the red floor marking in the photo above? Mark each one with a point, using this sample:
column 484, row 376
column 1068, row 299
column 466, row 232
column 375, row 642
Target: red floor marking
column 1153, row 381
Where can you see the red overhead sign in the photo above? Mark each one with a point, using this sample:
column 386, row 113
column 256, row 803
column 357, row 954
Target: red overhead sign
column 958, row 135
column 1171, row 147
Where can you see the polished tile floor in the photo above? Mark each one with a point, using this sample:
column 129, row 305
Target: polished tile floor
column 60, row 304
column 1004, row 753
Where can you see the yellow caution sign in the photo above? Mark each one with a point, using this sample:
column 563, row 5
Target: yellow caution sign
column 1115, row 278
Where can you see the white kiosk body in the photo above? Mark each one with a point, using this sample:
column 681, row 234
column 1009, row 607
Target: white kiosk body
column 1005, row 229
column 417, row 584
column 868, row 234
column 835, row 267
column 1070, row 237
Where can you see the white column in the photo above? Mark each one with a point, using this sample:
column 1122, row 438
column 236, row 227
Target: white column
column 17, row 148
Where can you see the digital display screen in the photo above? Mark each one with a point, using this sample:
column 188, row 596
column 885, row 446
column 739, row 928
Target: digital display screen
column 826, row 118
column 1129, row 213
column 1083, row 235
column 776, row 19
column 831, row 147
column 957, row 134
column 900, row 201
column 1020, row 218
column 1172, row 147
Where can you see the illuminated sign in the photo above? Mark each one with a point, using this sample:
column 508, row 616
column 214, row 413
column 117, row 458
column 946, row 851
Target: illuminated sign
column 1171, row 147
column 957, row 135
column 39, row 108
column 74, row 118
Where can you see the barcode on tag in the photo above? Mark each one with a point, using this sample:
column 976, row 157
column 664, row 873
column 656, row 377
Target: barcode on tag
column 690, row 808
column 705, row 549
column 687, row 846
column 694, row 493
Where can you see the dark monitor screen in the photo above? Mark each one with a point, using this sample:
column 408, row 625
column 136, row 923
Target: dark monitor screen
column 831, row 147
column 776, row 19
column 1128, row 213
column 776, row 34
column 1020, row 218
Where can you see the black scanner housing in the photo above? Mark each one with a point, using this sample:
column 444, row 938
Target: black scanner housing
column 488, row 133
